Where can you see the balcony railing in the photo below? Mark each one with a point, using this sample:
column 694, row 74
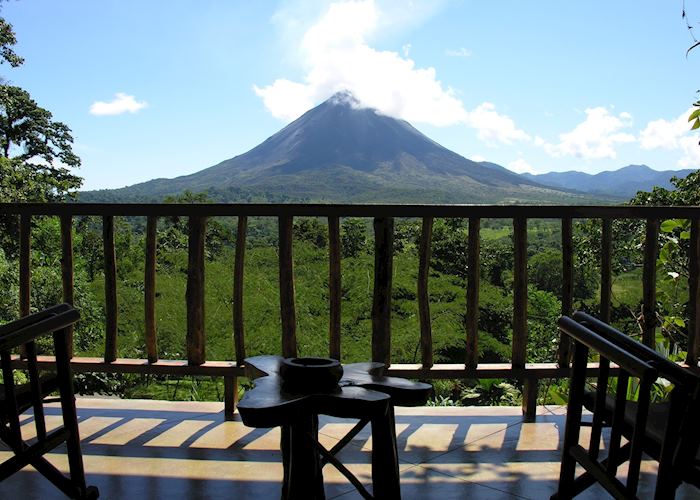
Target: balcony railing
column 383, row 215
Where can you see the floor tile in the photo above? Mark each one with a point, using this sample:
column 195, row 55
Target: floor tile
column 222, row 436
column 179, row 433
column 128, row 431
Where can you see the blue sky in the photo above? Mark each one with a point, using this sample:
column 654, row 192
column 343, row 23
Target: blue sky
column 161, row 89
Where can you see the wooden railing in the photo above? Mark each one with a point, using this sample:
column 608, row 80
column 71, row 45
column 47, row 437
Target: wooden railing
column 383, row 215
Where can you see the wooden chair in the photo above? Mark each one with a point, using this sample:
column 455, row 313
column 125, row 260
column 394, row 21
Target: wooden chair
column 16, row 398
column 667, row 432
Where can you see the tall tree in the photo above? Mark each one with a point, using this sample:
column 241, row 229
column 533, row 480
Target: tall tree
column 7, row 40
column 36, row 152
column 36, row 149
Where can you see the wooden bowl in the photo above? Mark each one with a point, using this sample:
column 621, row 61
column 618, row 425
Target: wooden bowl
column 307, row 375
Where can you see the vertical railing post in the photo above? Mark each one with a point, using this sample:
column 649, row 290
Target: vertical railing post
column 150, row 289
column 230, row 396
column 286, row 276
column 520, row 316
column 334, row 288
column 25, row 255
column 519, row 293
column 238, row 272
column 194, row 295
column 426, row 333
column 606, row 271
column 473, row 284
column 25, row 269
column 694, row 293
column 110, row 266
column 67, row 278
column 381, row 304
column 231, row 382
column 567, row 287
column 649, row 283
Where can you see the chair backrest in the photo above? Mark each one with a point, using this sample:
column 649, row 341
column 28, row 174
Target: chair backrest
column 15, row 398
column 24, row 332
column 681, row 436
column 655, row 433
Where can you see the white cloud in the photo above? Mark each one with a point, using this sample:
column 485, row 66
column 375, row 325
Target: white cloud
column 521, row 166
column 477, row 158
column 673, row 135
column 664, row 134
column 691, row 152
column 406, row 49
column 122, row 103
column 594, row 138
column 336, row 56
column 460, row 52
column 493, row 126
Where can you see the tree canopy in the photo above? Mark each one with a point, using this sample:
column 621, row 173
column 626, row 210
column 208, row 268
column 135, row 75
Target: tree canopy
column 36, row 152
column 7, row 40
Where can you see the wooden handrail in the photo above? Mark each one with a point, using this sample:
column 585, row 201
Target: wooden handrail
column 359, row 210
column 383, row 215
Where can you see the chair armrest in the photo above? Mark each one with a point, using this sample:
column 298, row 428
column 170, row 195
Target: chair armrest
column 33, row 318
column 36, row 325
column 615, row 353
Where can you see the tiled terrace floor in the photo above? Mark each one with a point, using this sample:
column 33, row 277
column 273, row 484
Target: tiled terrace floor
column 156, row 449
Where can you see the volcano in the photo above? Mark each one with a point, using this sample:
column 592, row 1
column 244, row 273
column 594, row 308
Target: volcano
column 341, row 151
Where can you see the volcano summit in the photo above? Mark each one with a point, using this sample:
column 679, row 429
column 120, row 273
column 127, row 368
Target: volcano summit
column 340, row 151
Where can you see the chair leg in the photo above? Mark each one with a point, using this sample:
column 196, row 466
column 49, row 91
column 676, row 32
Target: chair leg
column 31, row 455
column 666, row 482
column 573, row 422
column 586, row 480
column 70, row 418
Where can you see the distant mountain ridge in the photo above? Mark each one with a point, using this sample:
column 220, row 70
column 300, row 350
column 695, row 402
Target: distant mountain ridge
column 621, row 183
column 340, row 151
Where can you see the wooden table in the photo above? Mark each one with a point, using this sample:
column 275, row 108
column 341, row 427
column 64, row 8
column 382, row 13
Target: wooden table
column 363, row 393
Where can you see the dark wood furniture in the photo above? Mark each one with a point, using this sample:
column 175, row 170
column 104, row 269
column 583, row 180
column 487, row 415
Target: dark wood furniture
column 667, row 431
column 16, row 398
column 363, row 393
